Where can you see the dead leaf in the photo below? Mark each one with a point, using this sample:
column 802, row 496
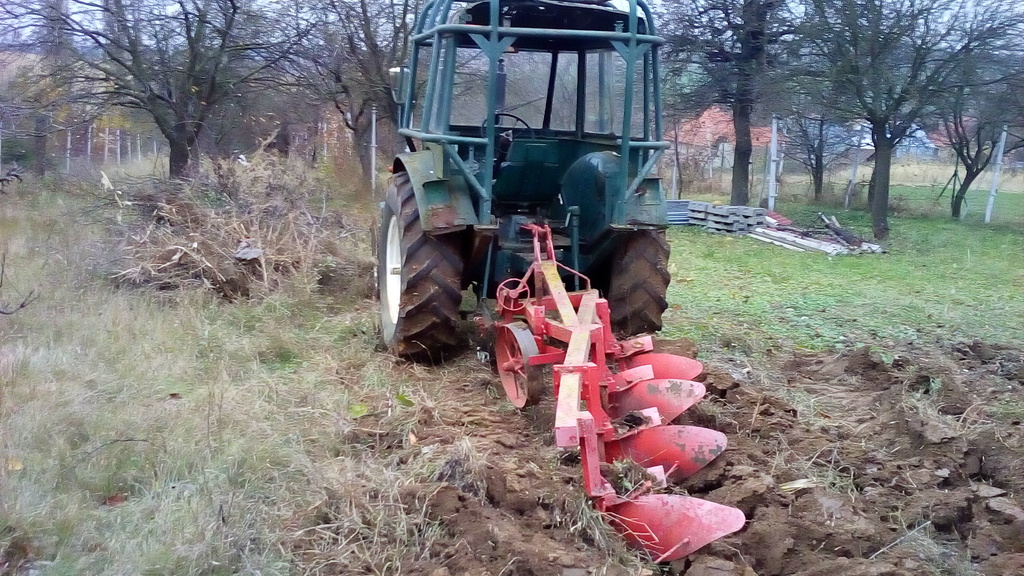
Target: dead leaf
column 412, row 439
column 116, row 499
column 174, row 396
column 15, row 464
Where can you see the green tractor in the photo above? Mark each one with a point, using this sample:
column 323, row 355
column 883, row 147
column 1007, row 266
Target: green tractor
column 518, row 112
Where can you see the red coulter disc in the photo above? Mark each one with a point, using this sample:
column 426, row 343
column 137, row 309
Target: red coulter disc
column 667, row 365
column 682, row 450
column 670, row 526
column 670, row 396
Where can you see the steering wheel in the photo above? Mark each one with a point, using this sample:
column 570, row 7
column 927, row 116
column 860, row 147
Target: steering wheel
column 518, row 120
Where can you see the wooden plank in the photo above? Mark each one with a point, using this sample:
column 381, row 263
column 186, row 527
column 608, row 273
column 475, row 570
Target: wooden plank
column 807, row 243
column 567, row 411
column 587, row 312
column 550, row 271
column 578, row 351
column 775, row 242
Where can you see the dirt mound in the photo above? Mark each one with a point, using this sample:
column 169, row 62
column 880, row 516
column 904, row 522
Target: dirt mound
column 510, row 534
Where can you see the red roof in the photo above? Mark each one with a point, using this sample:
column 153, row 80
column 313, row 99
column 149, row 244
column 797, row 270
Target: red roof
column 715, row 126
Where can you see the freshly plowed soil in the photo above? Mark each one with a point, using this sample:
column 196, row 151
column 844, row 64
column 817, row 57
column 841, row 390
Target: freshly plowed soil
column 850, row 463
column 888, row 447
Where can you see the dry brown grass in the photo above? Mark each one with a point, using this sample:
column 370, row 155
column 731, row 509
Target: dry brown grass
column 164, row 435
column 242, row 231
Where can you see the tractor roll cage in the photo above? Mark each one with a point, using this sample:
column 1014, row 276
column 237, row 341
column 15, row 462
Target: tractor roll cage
column 438, row 27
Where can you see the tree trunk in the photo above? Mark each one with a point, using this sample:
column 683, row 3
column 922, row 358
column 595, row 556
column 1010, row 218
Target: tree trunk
column 880, row 176
column 180, row 157
column 957, row 202
column 361, row 141
column 741, row 112
column 871, row 186
column 39, row 157
column 818, row 176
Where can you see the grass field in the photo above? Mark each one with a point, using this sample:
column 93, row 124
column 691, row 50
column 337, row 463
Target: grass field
column 146, row 432
column 930, row 201
column 940, row 280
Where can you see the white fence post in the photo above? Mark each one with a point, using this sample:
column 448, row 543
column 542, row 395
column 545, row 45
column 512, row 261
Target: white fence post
column 373, row 150
column 995, row 175
column 773, row 184
column 853, row 175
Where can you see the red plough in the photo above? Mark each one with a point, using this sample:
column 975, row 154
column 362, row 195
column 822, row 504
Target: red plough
column 614, row 401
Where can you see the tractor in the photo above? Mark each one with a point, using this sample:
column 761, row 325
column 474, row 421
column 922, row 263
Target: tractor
column 533, row 129
column 518, row 112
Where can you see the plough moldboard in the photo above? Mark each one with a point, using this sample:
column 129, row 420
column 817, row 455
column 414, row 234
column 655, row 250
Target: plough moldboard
column 614, row 402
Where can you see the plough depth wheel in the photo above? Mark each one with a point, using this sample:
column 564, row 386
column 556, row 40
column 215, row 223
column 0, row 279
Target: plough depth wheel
column 513, row 347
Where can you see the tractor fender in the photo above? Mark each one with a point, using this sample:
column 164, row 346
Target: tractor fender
column 593, row 183
column 444, row 203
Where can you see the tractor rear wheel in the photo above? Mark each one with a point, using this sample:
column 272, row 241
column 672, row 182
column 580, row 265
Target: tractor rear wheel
column 419, row 277
column 638, row 283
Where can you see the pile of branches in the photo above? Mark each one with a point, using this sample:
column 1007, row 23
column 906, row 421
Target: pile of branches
column 242, row 231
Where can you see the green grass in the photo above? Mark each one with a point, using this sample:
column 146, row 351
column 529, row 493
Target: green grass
column 940, row 280
column 917, row 201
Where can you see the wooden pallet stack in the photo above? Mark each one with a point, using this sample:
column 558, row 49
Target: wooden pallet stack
column 728, row 219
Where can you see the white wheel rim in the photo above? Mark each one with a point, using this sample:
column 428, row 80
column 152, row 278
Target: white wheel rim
column 393, row 270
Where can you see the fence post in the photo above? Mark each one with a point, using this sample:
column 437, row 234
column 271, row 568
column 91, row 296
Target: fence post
column 853, row 175
column 373, row 150
column 773, row 184
column 995, row 175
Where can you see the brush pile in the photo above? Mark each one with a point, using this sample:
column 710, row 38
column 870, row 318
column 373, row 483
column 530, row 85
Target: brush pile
column 833, row 239
column 241, row 231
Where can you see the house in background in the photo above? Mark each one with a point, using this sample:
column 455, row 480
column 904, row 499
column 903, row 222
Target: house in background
column 917, row 145
column 706, row 143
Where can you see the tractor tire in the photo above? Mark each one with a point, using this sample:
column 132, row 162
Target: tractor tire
column 419, row 277
column 638, row 283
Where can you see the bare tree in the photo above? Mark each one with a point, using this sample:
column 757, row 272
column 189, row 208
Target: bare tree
column 731, row 44
column 973, row 114
column 893, row 60
column 174, row 60
column 356, row 43
column 816, row 139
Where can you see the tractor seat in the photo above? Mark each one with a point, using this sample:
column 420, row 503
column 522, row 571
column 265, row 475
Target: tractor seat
column 530, row 174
